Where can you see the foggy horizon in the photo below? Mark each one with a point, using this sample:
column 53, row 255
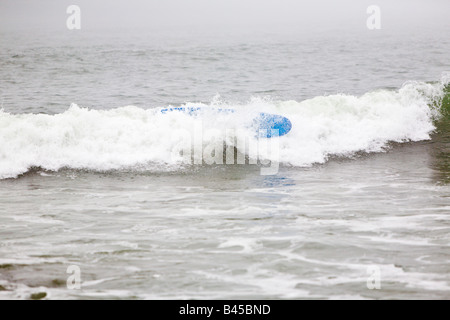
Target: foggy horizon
column 252, row 15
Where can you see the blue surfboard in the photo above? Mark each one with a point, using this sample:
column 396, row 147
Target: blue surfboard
column 267, row 125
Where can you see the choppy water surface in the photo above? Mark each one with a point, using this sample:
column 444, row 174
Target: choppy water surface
column 362, row 184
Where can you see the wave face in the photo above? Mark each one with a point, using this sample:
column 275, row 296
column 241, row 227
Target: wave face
column 139, row 139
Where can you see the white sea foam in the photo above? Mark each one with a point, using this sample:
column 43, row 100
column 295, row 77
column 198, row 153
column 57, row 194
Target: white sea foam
column 135, row 138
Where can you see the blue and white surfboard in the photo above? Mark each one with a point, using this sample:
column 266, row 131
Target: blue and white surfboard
column 266, row 125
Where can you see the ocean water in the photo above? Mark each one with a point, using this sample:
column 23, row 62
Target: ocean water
column 92, row 175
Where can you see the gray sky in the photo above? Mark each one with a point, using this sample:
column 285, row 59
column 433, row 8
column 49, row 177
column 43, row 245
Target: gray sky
column 219, row 14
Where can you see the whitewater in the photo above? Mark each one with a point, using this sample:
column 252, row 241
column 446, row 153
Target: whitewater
column 134, row 138
column 93, row 176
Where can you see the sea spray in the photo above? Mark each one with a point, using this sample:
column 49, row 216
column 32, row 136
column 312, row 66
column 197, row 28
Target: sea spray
column 144, row 139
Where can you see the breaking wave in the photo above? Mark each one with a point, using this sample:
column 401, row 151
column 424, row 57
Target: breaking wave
column 132, row 137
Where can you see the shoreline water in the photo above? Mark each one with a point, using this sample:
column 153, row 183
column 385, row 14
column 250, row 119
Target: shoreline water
column 90, row 196
column 154, row 231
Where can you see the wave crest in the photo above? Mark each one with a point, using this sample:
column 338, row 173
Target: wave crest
column 128, row 137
